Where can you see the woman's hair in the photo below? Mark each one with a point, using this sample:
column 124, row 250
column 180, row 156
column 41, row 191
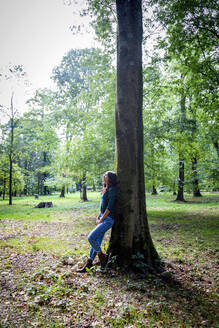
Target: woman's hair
column 112, row 178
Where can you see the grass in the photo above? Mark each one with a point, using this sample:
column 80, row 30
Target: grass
column 40, row 249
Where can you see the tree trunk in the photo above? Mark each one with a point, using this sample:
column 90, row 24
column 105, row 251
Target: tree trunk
column 62, row 192
column 84, row 189
column 196, row 190
column 216, row 146
column 25, row 174
column 154, row 191
column 44, row 188
column 78, row 186
column 180, row 194
column 130, row 236
column 11, row 150
column 10, row 178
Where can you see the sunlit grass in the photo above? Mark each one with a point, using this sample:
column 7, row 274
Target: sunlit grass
column 23, row 208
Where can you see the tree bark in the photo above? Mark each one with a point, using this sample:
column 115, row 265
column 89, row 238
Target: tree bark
column 154, row 191
column 130, row 233
column 62, row 192
column 180, row 194
column 216, row 146
column 83, row 191
column 196, row 190
column 44, row 174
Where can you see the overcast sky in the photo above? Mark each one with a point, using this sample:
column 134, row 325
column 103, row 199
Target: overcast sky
column 36, row 34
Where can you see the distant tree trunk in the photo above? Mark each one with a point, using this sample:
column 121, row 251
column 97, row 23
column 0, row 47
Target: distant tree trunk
column 154, row 191
column 62, row 192
column 84, row 189
column 10, row 178
column 196, row 190
column 216, row 146
column 11, row 150
column 130, row 234
column 44, row 174
column 94, row 186
column 25, row 174
column 78, row 186
column 180, row 194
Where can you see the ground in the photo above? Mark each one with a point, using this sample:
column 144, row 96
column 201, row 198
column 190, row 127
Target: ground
column 40, row 250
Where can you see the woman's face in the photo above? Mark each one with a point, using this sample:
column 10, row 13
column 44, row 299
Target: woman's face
column 106, row 179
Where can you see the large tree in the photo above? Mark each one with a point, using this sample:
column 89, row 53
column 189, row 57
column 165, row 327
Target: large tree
column 130, row 235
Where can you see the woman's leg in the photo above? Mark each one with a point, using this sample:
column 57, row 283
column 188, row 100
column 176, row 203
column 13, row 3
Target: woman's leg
column 93, row 253
column 96, row 236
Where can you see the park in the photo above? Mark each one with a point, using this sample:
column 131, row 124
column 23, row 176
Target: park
column 126, row 137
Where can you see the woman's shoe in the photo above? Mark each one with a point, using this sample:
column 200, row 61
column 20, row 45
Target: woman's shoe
column 87, row 265
column 103, row 259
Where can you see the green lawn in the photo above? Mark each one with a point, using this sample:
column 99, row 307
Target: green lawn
column 40, row 249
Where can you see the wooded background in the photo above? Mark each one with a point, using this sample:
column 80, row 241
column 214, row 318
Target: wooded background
column 68, row 135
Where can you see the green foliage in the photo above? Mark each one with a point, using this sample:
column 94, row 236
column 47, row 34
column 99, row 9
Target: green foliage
column 69, row 133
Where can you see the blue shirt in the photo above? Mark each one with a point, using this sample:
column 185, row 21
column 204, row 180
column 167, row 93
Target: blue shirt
column 108, row 201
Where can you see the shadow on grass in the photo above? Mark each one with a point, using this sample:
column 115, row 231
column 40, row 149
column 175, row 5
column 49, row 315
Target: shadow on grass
column 170, row 301
column 194, row 302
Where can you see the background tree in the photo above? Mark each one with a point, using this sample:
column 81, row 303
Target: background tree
column 12, row 75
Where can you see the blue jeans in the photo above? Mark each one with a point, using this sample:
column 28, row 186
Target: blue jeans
column 96, row 236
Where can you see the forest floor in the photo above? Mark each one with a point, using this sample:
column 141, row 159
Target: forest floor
column 40, row 250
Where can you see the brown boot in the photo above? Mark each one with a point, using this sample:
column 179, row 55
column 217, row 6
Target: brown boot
column 88, row 265
column 103, row 259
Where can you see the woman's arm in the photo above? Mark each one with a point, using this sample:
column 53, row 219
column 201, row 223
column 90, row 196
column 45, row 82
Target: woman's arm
column 105, row 214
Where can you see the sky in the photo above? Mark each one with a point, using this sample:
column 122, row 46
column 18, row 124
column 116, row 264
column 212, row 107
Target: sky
column 36, row 34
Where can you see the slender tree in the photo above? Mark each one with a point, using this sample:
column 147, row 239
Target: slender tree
column 130, row 234
column 11, row 148
column 180, row 194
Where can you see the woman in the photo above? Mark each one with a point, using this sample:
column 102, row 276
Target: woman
column 104, row 221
